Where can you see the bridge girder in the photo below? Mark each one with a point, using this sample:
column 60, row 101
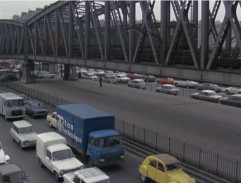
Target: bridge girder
column 75, row 29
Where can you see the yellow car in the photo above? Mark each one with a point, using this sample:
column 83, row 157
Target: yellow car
column 163, row 168
column 52, row 119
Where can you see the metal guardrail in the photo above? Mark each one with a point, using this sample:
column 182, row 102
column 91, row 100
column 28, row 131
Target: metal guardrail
column 212, row 162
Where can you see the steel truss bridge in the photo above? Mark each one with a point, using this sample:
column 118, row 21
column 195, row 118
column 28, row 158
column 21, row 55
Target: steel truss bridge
column 106, row 35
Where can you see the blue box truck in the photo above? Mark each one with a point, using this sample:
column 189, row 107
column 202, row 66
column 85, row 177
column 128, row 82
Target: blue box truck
column 90, row 131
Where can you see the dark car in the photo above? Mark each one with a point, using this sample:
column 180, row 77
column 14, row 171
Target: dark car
column 8, row 77
column 209, row 86
column 35, row 108
column 234, row 100
column 11, row 173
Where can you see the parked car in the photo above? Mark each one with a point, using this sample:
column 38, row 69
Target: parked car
column 4, row 159
column 208, row 95
column 132, row 75
column 23, row 134
column 234, row 100
column 8, row 77
column 99, row 72
column 52, row 119
column 12, row 173
column 150, row 78
column 121, row 78
column 44, row 74
column 232, row 90
column 165, row 80
column 163, row 168
column 109, row 79
column 168, row 88
column 137, row 83
column 90, row 76
column 186, row 83
column 92, row 175
column 35, row 108
column 209, row 86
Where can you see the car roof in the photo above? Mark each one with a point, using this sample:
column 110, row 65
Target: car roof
column 166, row 158
column 11, row 96
column 34, row 101
column 208, row 91
column 91, row 174
column 167, row 85
column 237, row 95
column 138, row 80
column 9, row 168
column 22, row 124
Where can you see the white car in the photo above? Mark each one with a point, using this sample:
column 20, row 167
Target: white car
column 87, row 175
column 44, row 74
column 23, row 134
column 121, row 78
column 109, row 79
column 168, row 88
column 90, row 76
column 186, row 83
column 208, row 95
column 4, row 159
column 232, row 90
column 137, row 83
column 99, row 72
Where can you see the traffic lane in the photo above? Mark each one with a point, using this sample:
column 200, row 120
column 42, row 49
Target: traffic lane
column 26, row 159
column 192, row 121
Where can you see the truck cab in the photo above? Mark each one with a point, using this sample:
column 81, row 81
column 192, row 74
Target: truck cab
column 105, row 148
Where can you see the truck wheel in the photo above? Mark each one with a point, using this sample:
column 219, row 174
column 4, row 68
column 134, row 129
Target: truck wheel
column 40, row 163
column 56, row 176
column 143, row 178
column 90, row 162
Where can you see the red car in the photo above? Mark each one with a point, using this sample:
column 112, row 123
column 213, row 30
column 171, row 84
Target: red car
column 165, row 80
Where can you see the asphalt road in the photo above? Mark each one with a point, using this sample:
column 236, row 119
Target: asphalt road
column 26, row 159
column 211, row 126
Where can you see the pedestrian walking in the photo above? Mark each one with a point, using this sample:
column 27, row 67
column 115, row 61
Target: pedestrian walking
column 100, row 81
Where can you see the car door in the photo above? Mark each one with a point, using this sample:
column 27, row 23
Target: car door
column 151, row 173
column 14, row 132
column 47, row 160
column 160, row 176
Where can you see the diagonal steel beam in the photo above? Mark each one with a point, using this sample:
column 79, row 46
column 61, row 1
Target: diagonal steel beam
column 40, row 39
column 31, row 40
column 51, row 35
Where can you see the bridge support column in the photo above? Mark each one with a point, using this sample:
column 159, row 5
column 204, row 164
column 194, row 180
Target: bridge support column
column 69, row 73
column 27, row 72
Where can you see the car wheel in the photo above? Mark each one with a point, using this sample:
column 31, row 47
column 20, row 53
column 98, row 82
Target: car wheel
column 56, row 177
column 90, row 162
column 40, row 163
column 143, row 178
column 21, row 146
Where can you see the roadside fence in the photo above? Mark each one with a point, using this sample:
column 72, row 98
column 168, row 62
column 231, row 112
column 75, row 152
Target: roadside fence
column 212, row 162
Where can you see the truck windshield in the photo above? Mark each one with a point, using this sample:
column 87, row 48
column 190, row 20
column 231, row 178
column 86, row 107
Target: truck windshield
column 26, row 130
column 14, row 103
column 18, row 177
column 63, row 154
column 109, row 142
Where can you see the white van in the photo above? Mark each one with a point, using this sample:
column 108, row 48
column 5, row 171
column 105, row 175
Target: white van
column 53, row 152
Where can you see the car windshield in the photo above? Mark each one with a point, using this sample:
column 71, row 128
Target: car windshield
column 63, row 154
column 25, row 130
column 109, row 142
column 14, row 103
column 174, row 166
column 37, row 105
column 17, row 177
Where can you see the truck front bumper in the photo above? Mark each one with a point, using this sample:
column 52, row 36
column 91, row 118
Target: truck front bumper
column 108, row 161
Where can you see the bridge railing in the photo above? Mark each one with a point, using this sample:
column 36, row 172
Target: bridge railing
column 212, row 162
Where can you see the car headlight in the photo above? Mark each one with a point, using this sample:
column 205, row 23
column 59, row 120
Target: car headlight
column 122, row 157
column 102, row 160
column 61, row 172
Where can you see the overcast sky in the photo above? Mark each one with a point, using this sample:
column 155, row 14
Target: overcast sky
column 8, row 8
